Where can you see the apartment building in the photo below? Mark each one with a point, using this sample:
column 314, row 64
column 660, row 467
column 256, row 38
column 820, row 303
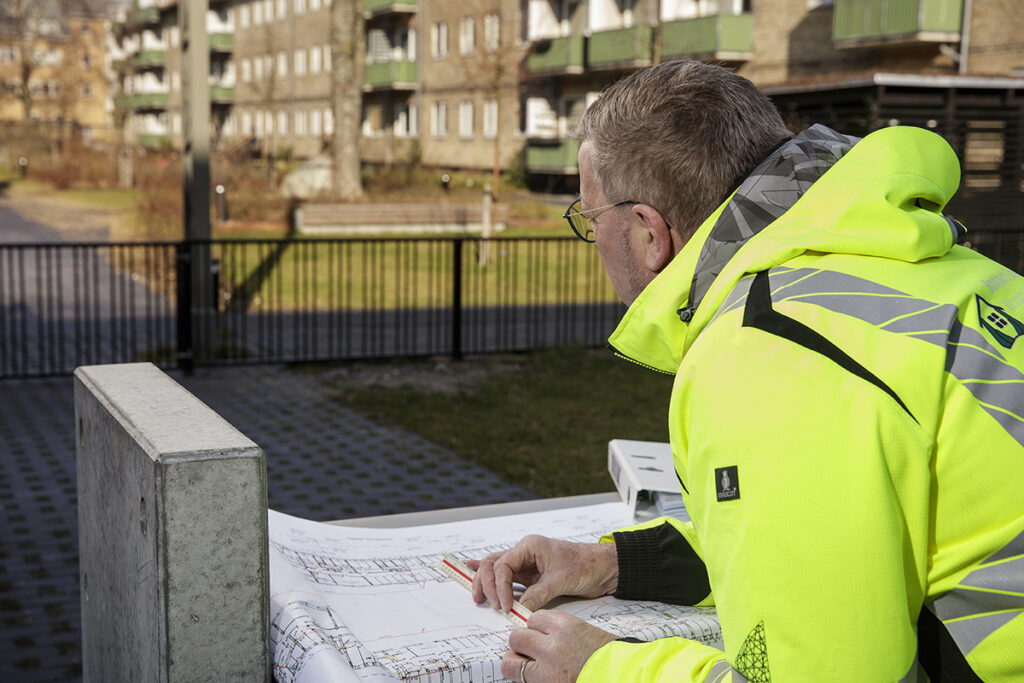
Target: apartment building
column 54, row 64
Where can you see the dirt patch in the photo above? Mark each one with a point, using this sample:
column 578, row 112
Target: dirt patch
column 432, row 376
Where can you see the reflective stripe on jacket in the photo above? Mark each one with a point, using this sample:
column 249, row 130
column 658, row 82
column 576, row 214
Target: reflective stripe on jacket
column 858, row 380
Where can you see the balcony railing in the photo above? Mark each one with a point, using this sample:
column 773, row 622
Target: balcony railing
column 141, row 16
column 222, row 42
column 856, row 23
column 148, row 100
column 726, row 37
column 154, row 140
column 382, row 6
column 149, row 58
column 557, row 55
column 555, row 156
column 222, row 94
column 383, row 75
column 620, row 47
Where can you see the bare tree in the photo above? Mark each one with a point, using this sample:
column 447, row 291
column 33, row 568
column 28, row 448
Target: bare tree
column 348, row 46
column 266, row 87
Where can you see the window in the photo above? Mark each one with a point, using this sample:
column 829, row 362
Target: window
column 300, row 62
column 268, row 14
column 282, row 9
column 259, row 123
column 491, row 119
column 300, row 6
column 492, row 32
column 439, row 120
column 268, row 67
column 327, row 57
column 466, row 119
column 246, row 123
column 246, row 70
column 328, row 122
column 401, row 124
column 243, row 19
column 86, row 62
column 314, row 5
column 314, row 59
column 257, row 69
column 176, row 81
column 300, row 123
column 8, row 55
column 176, row 124
column 372, row 120
column 268, row 121
column 314, row 123
column 175, row 36
column 257, row 13
column 282, row 64
column 282, row 122
column 467, row 39
column 439, row 39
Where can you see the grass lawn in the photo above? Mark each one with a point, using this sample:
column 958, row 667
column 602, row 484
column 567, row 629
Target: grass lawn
column 542, row 420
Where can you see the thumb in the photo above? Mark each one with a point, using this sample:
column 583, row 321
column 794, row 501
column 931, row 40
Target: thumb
column 536, row 596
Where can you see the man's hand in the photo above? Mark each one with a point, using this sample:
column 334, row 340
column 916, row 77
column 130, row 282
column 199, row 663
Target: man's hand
column 559, row 645
column 548, row 568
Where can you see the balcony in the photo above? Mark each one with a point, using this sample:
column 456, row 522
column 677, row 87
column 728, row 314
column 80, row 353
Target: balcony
column 148, row 100
column 726, row 37
column 149, row 59
column 377, row 7
column 624, row 47
column 552, row 156
column 866, row 23
column 154, row 140
column 390, row 76
column 142, row 16
column 222, row 42
column 222, row 94
column 557, row 56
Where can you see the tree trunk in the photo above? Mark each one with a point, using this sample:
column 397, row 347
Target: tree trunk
column 348, row 43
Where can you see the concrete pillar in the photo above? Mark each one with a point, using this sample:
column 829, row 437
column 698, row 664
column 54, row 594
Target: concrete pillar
column 172, row 514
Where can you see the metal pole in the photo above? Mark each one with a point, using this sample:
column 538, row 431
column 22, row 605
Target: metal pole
column 457, row 299
column 195, row 90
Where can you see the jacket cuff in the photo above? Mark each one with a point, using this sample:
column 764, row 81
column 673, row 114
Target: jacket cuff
column 658, row 563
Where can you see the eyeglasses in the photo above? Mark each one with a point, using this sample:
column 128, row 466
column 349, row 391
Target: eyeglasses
column 580, row 222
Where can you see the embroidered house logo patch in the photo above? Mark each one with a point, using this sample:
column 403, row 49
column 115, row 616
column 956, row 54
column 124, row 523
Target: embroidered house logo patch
column 1003, row 327
column 727, row 483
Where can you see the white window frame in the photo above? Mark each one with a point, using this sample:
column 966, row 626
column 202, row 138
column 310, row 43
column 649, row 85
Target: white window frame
column 300, row 62
column 268, row 11
column 314, row 5
column 282, row 9
column 244, row 16
column 439, row 39
column 328, row 63
column 490, row 123
column 257, row 13
column 246, row 123
column 300, row 123
column 299, row 7
column 282, row 64
column 246, row 69
column 314, row 59
column 328, row 119
column 315, row 127
column 467, row 35
column 466, row 112
column 282, row 122
column 439, row 119
column 492, row 32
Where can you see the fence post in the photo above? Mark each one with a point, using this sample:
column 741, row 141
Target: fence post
column 183, row 261
column 457, row 299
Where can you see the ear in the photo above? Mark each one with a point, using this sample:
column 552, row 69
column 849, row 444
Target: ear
column 658, row 245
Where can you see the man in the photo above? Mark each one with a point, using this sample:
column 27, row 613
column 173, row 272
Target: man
column 847, row 419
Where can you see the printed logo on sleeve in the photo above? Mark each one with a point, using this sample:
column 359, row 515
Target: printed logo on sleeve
column 1003, row 327
column 727, row 483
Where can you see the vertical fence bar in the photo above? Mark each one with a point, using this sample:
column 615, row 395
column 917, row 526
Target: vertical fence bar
column 183, row 260
column 457, row 298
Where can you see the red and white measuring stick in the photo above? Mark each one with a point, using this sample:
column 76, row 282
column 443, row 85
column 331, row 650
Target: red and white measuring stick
column 463, row 575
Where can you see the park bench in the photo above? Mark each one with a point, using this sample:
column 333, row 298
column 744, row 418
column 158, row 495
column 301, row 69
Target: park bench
column 357, row 219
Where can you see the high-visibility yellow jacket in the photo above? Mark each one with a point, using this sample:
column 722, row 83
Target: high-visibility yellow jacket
column 847, row 422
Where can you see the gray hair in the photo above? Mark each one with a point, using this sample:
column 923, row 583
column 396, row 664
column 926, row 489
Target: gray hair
column 679, row 136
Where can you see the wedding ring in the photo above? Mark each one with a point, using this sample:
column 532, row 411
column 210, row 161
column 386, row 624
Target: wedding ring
column 522, row 671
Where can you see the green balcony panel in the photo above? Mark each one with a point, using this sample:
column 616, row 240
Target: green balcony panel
column 726, row 36
column 149, row 59
column 144, row 15
column 557, row 55
column 154, row 140
column 222, row 42
column 375, row 6
column 624, row 46
column 222, row 94
column 124, row 102
column 390, row 74
column 861, row 22
column 552, row 157
column 149, row 100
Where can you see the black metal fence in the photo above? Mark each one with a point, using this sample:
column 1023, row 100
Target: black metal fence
column 246, row 301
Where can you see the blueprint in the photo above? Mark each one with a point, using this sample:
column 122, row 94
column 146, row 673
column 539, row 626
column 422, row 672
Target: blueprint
column 372, row 605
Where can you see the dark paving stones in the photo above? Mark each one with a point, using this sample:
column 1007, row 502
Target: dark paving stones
column 324, row 462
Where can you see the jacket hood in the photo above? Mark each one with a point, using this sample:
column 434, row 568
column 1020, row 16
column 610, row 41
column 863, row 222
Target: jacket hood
column 823, row 192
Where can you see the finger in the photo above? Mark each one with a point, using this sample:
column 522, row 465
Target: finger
column 537, row 595
column 512, row 666
column 483, row 582
column 473, row 564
